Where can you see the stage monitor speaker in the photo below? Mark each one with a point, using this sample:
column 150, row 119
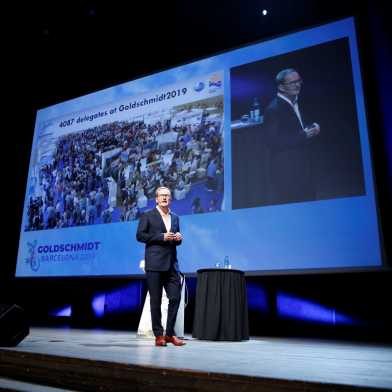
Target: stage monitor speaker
column 13, row 325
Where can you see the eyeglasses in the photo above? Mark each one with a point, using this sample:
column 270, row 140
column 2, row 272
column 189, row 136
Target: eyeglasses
column 164, row 195
column 298, row 81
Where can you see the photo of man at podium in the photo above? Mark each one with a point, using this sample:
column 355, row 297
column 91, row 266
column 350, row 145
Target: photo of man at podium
column 159, row 230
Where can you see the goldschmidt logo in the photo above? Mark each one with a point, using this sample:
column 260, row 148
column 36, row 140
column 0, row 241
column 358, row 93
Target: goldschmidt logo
column 78, row 251
column 32, row 258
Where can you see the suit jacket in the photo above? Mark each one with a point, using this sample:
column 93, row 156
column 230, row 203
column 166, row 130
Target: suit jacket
column 159, row 255
column 291, row 178
column 284, row 130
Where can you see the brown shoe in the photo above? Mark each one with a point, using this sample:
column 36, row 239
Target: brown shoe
column 175, row 340
column 160, row 341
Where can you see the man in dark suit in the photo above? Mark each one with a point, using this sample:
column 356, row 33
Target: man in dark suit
column 290, row 139
column 159, row 229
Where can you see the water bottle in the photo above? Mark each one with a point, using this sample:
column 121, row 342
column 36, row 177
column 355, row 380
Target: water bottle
column 217, row 264
column 252, row 114
column 256, row 110
column 226, row 263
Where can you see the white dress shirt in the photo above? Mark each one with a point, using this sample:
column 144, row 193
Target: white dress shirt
column 294, row 106
column 166, row 219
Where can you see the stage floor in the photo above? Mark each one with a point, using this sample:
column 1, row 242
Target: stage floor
column 308, row 360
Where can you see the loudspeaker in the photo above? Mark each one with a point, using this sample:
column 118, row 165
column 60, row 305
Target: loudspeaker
column 13, row 325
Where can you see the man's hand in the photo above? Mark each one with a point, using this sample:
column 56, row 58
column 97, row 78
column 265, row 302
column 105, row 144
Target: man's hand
column 314, row 130
column 178, row 236
column 169, row 236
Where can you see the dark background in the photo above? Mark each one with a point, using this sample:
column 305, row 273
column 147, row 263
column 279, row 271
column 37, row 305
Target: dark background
column 61, row 50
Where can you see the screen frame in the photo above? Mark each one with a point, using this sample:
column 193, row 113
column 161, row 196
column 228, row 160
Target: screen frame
column 295, row 271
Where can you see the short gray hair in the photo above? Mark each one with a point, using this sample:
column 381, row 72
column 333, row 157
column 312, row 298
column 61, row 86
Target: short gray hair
column 161, row 187
column 281, row 76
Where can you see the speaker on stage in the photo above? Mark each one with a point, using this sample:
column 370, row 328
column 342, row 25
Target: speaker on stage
column 13, row 325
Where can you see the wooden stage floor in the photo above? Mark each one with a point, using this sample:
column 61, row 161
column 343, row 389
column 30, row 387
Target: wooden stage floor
column 93, row 360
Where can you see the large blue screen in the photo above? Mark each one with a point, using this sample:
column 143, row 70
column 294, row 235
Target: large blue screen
column 209, row 131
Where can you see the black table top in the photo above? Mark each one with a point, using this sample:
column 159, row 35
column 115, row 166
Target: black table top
column 220, row 270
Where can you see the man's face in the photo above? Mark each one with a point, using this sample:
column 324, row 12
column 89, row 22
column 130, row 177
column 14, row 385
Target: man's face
column 163, row 198
column 291, row 85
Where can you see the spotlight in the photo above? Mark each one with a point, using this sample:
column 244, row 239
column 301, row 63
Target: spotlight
column 264, row 12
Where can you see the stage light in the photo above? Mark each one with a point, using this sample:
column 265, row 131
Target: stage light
column 62, row 312
column 264, row 12
column 257, row 297
column 302, row 309
column 120, row 300
column 98, row 304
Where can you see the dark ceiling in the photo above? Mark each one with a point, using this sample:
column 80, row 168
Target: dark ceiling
column 67, row 49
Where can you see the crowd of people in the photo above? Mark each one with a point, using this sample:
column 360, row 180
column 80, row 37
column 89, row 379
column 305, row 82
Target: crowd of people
column 109, row 172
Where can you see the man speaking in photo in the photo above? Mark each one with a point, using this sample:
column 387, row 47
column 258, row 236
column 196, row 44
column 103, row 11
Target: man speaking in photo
column 159, row 230
column 290, row 139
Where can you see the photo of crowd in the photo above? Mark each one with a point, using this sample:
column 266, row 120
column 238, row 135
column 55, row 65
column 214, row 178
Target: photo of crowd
column 109, row 173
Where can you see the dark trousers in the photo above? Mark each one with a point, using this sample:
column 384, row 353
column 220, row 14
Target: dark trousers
column 170, row 280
